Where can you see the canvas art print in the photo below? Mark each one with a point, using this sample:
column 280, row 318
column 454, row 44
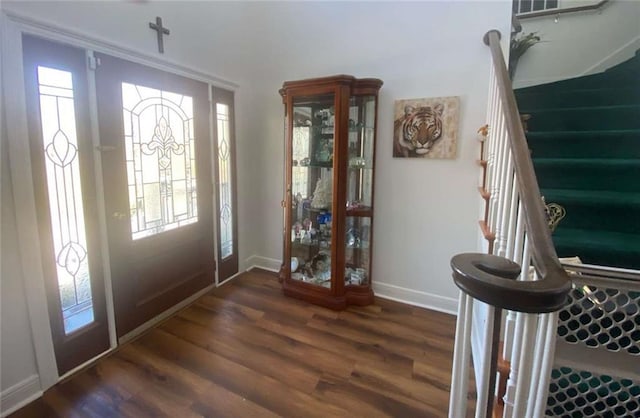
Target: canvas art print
column 426, row 128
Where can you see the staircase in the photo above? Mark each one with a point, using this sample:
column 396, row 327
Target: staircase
column 584, row 137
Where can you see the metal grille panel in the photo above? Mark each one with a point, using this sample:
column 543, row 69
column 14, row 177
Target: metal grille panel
column 602, row 317
column 577, row 394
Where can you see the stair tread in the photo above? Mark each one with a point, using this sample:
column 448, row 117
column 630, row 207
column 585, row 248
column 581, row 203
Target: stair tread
column 602, row 162
column 577, row 90
column 588, row 134
column 579, row 108
column 597, row 239
column 594, row 196
column 584, row 136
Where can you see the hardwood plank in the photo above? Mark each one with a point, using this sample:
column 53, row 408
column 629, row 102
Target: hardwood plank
column 152, row 387
column 246, row 350
column 391, row 383
column 339, row 345
column 263, row 390
column 252, row 357
column 384, row 403
column 37, row 408
column 414, row 348
column 58, row 402
column 295, row 352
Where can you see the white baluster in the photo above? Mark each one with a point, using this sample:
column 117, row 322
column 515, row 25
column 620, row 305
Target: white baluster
column 496, row 188
column 538, row 353
column 516, row 348
column 513, row 219
column 490, row 140
column 517, row 257
column 525, row 364
column 483, row 386
column 506, row 203
column 546, row 365
column 461, row 357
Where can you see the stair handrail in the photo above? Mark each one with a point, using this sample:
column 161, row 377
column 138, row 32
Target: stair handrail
column 559, row 11
column 485, row 277
column 502, row 279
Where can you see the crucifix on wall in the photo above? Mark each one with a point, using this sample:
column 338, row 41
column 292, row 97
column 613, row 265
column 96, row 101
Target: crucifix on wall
column 160, row 32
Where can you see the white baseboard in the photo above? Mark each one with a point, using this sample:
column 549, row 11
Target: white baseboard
column 265, row 263
column 383, row 290
column 19, row 395
column 416, row 298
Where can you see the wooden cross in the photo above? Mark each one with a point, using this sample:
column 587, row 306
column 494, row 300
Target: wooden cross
column 161, row 31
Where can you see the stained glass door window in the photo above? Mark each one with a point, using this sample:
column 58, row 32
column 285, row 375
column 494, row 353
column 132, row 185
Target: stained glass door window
column 160, row 158
column 224, row 181
column 58, row 124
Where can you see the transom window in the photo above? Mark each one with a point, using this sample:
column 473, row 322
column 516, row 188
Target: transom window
column 527, row 6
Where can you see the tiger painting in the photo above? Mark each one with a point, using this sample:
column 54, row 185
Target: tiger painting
column 417, row 131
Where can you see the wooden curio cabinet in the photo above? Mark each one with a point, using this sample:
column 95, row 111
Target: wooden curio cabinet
column 330, row 130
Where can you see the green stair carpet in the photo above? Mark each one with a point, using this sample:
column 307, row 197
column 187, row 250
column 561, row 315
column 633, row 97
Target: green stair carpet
column 584, row 136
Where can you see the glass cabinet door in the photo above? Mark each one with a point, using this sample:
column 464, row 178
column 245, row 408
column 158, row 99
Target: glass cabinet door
column 311, row 196
column 359, row 189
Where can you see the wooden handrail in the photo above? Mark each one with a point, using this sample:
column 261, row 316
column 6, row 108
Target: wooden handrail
column 552, row 12
column 490, row 278
column 515, row 24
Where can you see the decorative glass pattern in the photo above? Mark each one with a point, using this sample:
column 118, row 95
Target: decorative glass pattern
column 160, row 157
column 224, row 181
column 58, row 123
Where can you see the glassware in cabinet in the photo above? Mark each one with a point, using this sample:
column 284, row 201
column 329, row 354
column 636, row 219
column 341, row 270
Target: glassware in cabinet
column 329, row 175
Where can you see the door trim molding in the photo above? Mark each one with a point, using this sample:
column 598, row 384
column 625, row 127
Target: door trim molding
column 14, row 25
column 24, row 200
column 100, row 203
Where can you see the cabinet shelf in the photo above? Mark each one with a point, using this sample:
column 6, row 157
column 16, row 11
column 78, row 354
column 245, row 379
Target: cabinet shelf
column 364, row 211
column 329, row 262
column 316, row 164
column 321, row 127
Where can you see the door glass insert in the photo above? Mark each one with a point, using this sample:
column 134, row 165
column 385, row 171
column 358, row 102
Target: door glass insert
column 160, row 157
column 58, row 124
column 224, row 181
column 362, row 112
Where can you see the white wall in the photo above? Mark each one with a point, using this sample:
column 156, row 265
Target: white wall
column 17, row 358
column 580, row 43
column 426, row 211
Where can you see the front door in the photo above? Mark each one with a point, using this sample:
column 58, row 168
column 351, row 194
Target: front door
column 156, row 162
column 66, row 201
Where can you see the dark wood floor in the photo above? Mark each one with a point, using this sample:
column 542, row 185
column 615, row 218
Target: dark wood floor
column 245, row 350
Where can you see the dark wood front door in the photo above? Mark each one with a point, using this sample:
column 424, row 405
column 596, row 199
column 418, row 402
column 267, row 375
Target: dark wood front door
column 156, row 162
column 65, row 194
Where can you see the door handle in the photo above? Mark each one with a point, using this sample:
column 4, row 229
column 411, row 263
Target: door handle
column 119, row 215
